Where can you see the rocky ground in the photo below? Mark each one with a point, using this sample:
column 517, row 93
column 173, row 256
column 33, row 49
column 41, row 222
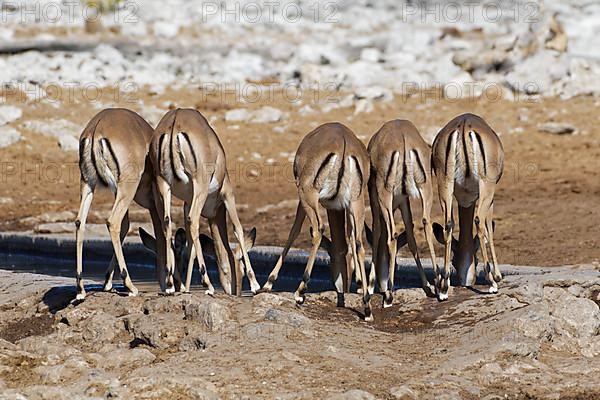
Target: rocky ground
column 545, row 47
column 533, row 72
column 538, row 338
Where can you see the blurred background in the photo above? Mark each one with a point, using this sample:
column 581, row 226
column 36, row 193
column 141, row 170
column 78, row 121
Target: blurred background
column 267, row 72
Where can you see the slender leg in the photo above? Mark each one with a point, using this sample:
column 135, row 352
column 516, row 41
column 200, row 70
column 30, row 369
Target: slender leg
column 161, row 254
column 484, row 203
column 190, row 253
column 357, row 220
column 338, row 253
column 376, row 265
column 223, row 253
column 412, row 244
column 445, row 171
column 123, row 199
column 426, row 193
column 108, row 276
column 310, row 202
column 229, row 201
column 352, row 248
column 200, row 194
column 87, row 195
column 157, row 215
column 442, row 281
column 387, row 212
column 489, row 227
column 165, row 192
column 293, row 235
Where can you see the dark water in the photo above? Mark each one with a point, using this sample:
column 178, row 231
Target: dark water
column 94, row 270
column 58, row 259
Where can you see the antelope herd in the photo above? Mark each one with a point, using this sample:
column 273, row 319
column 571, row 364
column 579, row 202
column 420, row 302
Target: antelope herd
column 183, row 157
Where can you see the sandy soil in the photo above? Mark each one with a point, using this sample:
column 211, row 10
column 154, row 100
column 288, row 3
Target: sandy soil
column 546, row 205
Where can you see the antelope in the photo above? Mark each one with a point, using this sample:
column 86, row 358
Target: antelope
column 468, row 160
column 189, row 161
column 400, row 170
column 113, row 152
column 330, row 169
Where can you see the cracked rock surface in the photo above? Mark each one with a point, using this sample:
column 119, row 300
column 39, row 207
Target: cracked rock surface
column 537, row 338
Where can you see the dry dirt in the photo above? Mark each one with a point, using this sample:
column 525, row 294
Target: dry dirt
column 546, row 206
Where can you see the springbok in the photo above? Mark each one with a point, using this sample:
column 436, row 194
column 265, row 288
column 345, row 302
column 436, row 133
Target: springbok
column 468, row 160
column 400, row 169
column 113, row 152
column 330, row 168
column 189, row 161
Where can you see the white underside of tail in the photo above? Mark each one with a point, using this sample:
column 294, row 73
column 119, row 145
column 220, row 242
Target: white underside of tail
column 344, row 195
column 180, row 166
column 466, row 190
column 330, row 184
column 476, row 158
column 105, row 172
column 409, row 179
column 412, row 166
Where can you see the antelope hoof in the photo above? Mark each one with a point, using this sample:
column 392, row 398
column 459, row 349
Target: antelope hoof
column 388, row 299
column 132, row 292
column 80, row 296
column 267, row 287
column 254, row 287
column 340, row 300
column 429, row 291
column 443, row 296
column 493, row 289
column 359, row 290
column 107, row 287
column 369, row 318
column 497, row 276
column 170, row 290
column 299, row 298
column 211, row 292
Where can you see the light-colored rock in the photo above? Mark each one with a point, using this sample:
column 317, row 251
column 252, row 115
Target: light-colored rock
column 403, row 392
column 305, row 110
column 166, row 29
column 374, row 93
column 354, row 394
column 363, row 106
column 525, row 78
column 55, row 127
column 146, row 330
column 118, row 358
column 557, row 128
column 237, row 115
column 8, row 136
column 100, row 327
column 267, row 115
column 290, row 318
column 211, row 313
column 50, row 217
column 68, row 143
column 91, row 230
column 9, row 114
column 193, row 341
column 370, row 54
column 574, row 317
